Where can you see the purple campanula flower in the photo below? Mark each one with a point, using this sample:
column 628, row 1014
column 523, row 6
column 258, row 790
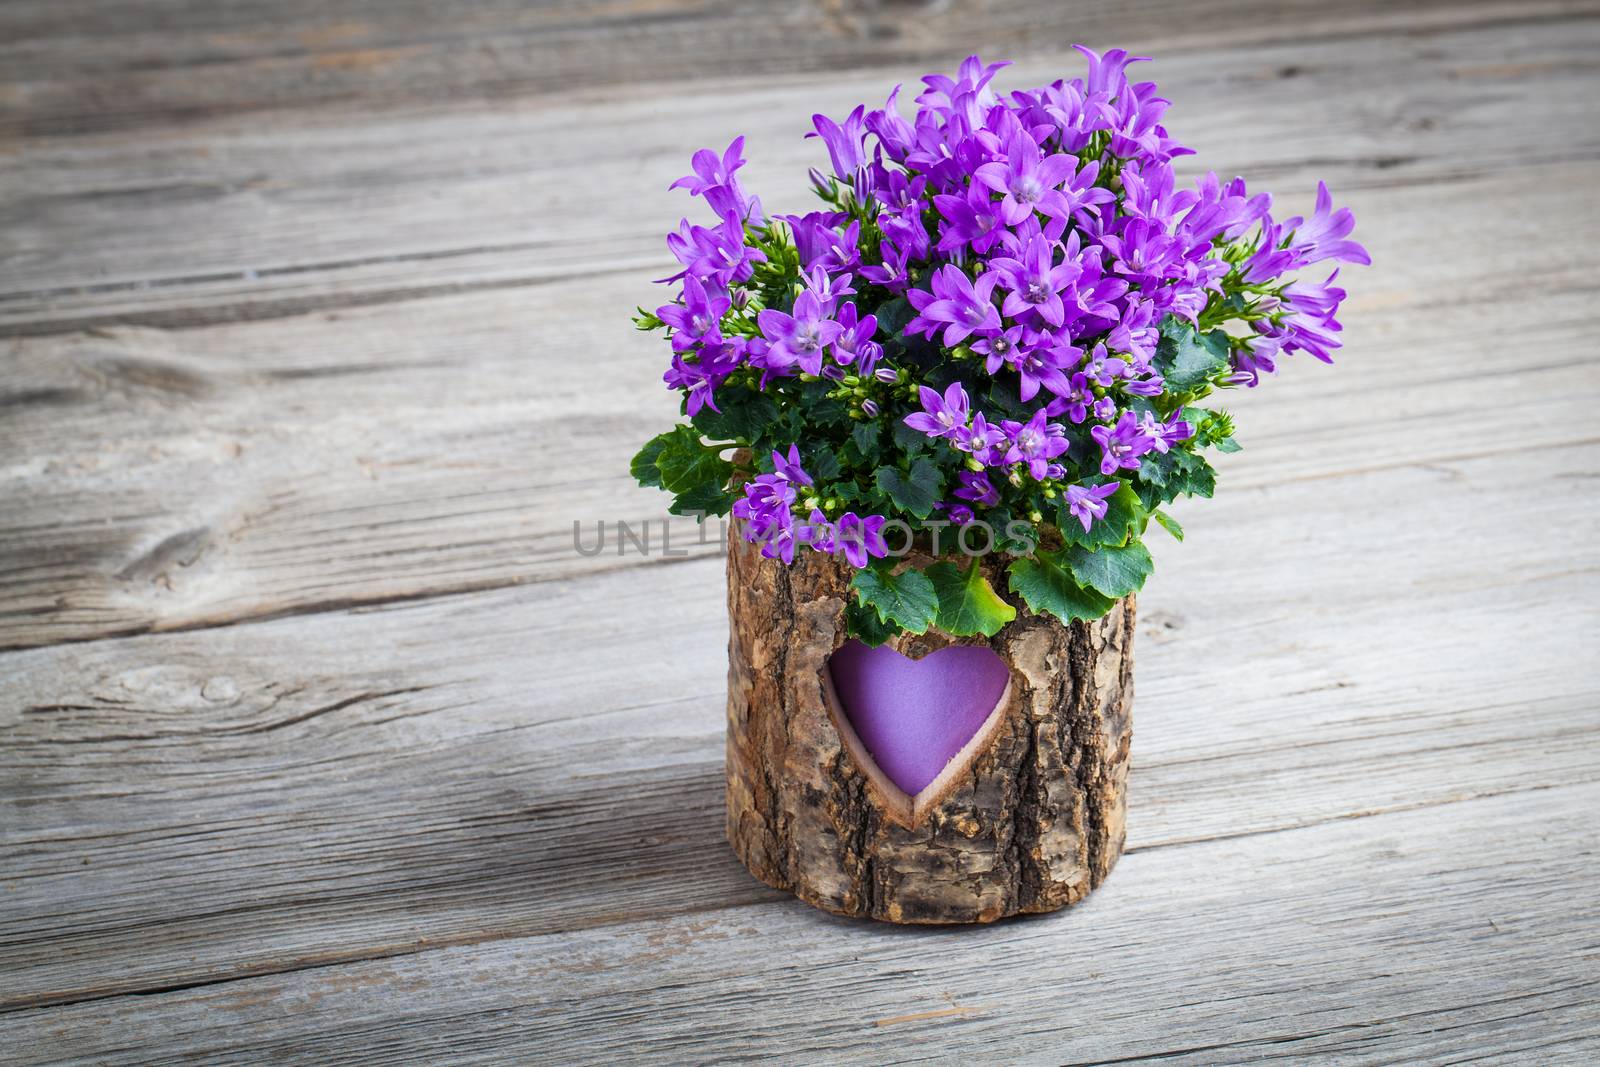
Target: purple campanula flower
column 1107, row 73
column 960, row 514
column 766, row 495
column 1163, row 435
column 1272, row 256
column 901, row 194
column 1088, row 503
column 1075, row 402
column 987, row 444
column 713, row 179
column 976, row 487
column 1144, row 251
column 1136, row 334
column 1044, row 366
column 711, row 367
column 971, row 220
column 940, row 416
column 1121, row 445
column 788, row 467
column 1309, row 325
column 999, row 349
column 906, row 231
column 719, row 254
column 972, row 79
column 817, row 532
column 1035, row 443
column 1028, row 181
column 698, row 319
column 1035, row 281
column 1149, row 192
column 860, row 538
column 768, row 519
column 1325, row 234
column 894, row 133
column 821, row 244
column 845, row 143
column 962, row 306
column 1152, row 385
column 828, row 288
column 1222, row 211
column 801, row 337
column 1102, row 368
column 1258, row 355
column 854, row 334
column 893, row 274
column 1104, row 408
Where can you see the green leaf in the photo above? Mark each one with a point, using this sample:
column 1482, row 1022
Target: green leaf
column 1168, row 523
column 968, row 604
column 1113, row 572
column 915, row 494
column 745, row 414
column 706, row 499
column 1161, row 479
column 906, row 599
column 643, row 468
column 893, row 316
column 1186, row 358
column 685, row 463
column 1193, row 475
column 1124, row 511
column 866, row 439
column 1046, row 585
column 821, row 463
column 908, row 440
column 863, row 624
column 1227, row 444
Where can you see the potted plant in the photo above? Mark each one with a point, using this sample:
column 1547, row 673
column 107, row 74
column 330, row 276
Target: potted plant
column 944, row 410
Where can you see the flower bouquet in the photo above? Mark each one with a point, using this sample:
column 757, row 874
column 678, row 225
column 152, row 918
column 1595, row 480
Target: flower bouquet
column 944, row 410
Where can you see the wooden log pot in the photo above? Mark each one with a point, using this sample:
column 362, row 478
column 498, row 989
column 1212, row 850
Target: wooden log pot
column 1028, row 817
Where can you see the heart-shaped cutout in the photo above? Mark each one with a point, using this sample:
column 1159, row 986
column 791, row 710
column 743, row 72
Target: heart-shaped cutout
column 914, row 725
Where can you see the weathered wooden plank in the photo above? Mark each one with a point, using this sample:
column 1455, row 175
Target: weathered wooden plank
column 1430, row 936
column 172, row 479
column 333, row 210
column 267, row 797
column 79, row 67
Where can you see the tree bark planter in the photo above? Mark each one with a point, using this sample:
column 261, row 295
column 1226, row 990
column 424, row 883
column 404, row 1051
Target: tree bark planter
column 1028, row 817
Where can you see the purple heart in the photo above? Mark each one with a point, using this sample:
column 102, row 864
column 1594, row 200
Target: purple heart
column 913, row 716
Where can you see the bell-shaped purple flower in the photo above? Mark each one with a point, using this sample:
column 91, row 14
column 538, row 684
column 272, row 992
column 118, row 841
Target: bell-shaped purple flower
column 957, row 303
column 846, row 143
column 800, row 338
column 698, row 319
column 1088, row 503
column 941, row 416
column 1121, row 445
column 1035, row 443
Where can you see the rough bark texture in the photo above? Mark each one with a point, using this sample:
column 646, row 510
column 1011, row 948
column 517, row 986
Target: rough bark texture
column 1034, row 824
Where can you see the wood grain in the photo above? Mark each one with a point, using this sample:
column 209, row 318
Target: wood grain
column 486, row 735
column 1309, row 945
column 327, row 210
column 78, row 67
column 319, row 743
